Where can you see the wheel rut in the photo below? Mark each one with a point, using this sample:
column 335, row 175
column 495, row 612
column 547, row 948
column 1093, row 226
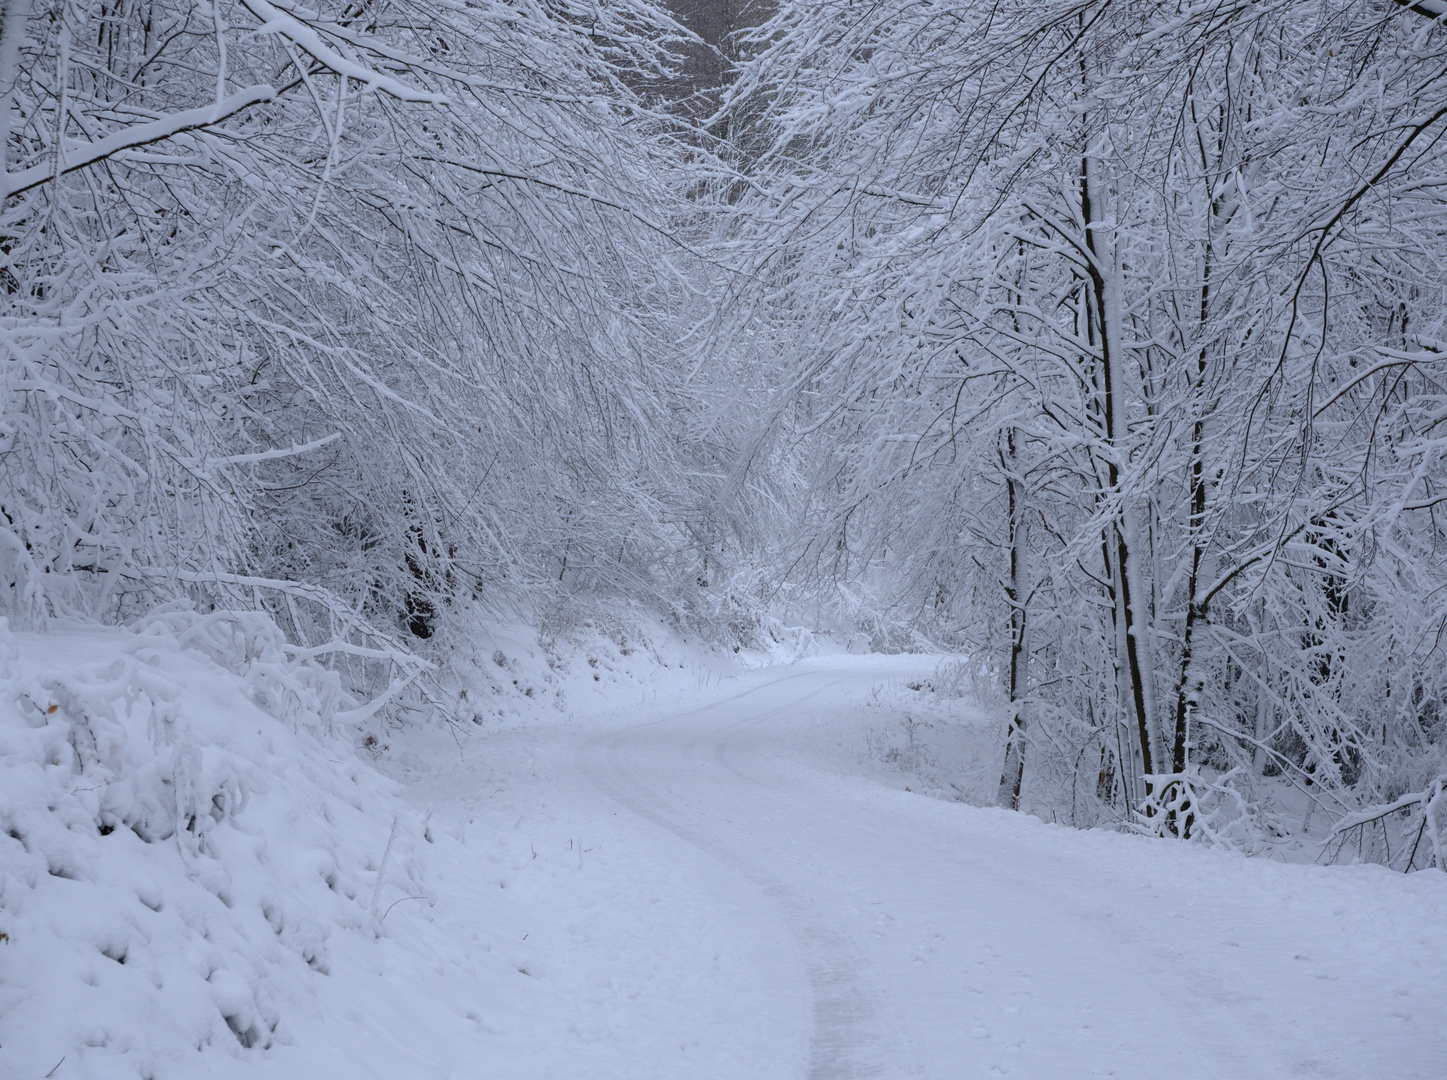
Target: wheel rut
column 850, row 1033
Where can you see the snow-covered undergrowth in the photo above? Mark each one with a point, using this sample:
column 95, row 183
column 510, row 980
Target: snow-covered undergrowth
column 185, row 836
column 937, row 736
column 943, row 735
column 501, row 672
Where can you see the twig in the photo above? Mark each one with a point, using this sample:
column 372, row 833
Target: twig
column 1413, row 857
column 394, row 903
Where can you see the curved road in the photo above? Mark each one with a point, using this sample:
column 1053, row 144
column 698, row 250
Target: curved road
column 942, row 941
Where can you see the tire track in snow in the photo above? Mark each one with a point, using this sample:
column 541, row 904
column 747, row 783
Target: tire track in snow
column 851, row 1036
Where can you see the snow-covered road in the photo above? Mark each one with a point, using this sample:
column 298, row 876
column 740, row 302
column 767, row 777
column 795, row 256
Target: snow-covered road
column 724, row 891
column 702, row 776
column 937, row 940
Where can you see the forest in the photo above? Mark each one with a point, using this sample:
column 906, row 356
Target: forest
column 1103, row 342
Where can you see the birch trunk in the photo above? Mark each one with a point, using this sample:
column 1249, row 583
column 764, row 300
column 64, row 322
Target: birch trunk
column 1017, row 592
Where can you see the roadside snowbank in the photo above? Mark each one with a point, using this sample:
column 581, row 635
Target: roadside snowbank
column 185, row 840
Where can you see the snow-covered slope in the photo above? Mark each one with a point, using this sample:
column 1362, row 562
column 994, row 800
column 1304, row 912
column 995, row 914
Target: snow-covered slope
column 190, row 852
column 202, row 873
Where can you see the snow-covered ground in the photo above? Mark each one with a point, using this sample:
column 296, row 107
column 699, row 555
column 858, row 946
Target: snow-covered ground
column 693, row 871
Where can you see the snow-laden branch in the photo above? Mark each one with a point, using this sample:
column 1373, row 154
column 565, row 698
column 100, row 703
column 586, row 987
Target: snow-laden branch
column 1373, row 813
column 414, row 62
column 306, row 38
column 269, row 455
column 1432, row 9
column 317, row 594
column 80, row 155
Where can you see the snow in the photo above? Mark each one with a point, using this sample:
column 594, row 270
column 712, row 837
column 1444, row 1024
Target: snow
column 660, row 863
column 186, row 850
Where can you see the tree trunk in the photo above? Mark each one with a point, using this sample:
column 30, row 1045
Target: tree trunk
column 1122, row 541
column 13, row 16
column 1017, row 593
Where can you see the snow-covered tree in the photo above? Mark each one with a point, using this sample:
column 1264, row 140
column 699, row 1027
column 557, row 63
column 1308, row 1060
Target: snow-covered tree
column 1118, row 326
column 340, row 311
